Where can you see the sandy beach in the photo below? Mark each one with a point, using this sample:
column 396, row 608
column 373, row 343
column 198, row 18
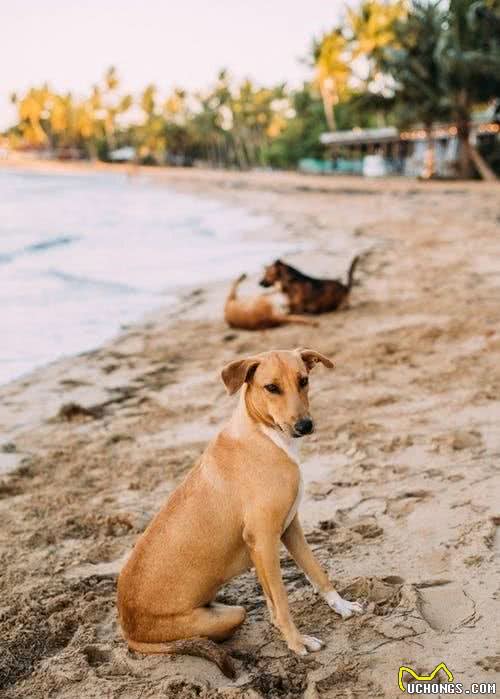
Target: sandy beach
column 401, row 477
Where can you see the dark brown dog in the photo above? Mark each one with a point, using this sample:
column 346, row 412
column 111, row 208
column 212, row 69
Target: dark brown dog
column 308, row 294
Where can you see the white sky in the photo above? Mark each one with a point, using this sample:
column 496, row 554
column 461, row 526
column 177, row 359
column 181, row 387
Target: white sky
column 70, row 43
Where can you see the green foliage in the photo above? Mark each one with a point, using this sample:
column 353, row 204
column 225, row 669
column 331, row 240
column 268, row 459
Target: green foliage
column 468, row 52
column 300, row 137
column 413, row 64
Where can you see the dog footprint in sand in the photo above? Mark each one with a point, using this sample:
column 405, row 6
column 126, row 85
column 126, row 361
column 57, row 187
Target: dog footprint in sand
column 97, row 655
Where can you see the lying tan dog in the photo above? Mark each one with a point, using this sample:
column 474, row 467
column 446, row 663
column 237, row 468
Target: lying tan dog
column 231, row 512
column 256, row 312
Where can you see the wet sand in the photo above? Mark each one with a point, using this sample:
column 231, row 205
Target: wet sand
column 401, row 477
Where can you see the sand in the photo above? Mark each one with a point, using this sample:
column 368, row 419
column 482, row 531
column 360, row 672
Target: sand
column 401, row 478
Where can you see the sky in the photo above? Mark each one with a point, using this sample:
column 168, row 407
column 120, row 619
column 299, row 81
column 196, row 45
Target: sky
column 70, row 43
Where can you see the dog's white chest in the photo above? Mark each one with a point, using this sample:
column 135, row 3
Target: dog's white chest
column 290, row 447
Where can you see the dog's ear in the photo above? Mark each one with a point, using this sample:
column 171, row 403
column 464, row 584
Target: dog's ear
column 236, row 373
column 311, row 357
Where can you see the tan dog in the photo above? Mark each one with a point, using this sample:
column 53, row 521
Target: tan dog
column 231, row 512
column 256, row 312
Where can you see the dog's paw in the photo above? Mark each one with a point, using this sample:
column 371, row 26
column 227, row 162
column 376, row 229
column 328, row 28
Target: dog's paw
column 312, row 643
column 306, row 644
column 342, row 606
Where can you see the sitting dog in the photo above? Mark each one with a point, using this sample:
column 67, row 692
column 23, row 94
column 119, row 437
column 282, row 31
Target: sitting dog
column 232, row 512
column 308, row 294
column 256, row 312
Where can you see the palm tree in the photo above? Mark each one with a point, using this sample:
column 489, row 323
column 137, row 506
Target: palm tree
column 411, row 62
column 469, row 56
column 175, row 107
column 110, row 104
column 111, row 80
column 32, row 110
column 332, row 71
column 371, row 30
column 372, row 26
column 151, row 133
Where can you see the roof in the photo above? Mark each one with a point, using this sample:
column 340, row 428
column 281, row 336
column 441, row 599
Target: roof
column 482, row 123
column 388, row 133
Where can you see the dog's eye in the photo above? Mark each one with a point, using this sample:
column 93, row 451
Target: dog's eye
column 272, row 388
column 303, row 381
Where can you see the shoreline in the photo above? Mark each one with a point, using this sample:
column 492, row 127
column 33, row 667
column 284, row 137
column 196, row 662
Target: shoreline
column 278, row 180
column 250, row 229
column 188, row 186
column 400, row 477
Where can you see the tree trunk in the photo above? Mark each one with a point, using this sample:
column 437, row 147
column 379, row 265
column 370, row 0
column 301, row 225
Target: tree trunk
column 469, row 156
column 463, row 133
column 481, row 165
column 464, row 161
column 328, row 102
column 240, row 154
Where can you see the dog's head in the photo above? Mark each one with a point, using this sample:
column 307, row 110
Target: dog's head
column 272, row 274
column 277, row 385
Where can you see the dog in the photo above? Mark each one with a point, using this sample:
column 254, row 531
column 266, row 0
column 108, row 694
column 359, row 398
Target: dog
column 232, row 512
column 308, row 294
column 257, row 312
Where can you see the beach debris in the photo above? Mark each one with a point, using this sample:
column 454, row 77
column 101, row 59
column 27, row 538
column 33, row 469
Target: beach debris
column 8, row 448
column 72, row 411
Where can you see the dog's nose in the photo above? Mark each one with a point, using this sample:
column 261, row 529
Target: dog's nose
column 304, row 426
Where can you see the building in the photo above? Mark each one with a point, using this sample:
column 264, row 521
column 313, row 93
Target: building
column 387, row 151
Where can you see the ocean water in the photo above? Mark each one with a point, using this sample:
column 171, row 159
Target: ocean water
column 80, row 255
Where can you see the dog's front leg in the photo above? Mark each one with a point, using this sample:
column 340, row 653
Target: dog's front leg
column 263, row 545
column 296, row 543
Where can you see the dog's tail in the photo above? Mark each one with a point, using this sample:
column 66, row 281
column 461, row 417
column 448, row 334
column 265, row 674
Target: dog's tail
column 350, row 273
column 199, row 647
column 234, row 287
column 303, row 320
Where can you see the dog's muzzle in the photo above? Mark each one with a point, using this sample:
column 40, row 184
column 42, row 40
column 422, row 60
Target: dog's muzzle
column 303, row 427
